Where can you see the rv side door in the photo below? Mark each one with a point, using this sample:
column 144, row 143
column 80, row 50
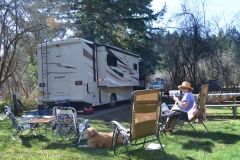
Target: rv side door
column 142, row 78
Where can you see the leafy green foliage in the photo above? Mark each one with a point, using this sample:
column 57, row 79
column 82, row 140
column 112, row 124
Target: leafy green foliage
column 31, row 71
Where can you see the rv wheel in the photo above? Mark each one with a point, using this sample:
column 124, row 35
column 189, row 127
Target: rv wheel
column 113, row 100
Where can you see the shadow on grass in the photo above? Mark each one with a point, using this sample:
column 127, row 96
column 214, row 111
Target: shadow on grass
column 220, row 116
column 136, row 152
column 218, row 108
column 220, row 137
column 203, row 142
column 141, row 153
column 28, row 139
column 199, row 145
column 53, row 145
column 65, row 144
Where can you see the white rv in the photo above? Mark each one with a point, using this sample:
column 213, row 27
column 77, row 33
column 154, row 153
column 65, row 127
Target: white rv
column 87, row 72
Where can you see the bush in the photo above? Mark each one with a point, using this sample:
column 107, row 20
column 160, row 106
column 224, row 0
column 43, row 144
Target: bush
column 29, row 104
column 25, row 103
column 2, row 104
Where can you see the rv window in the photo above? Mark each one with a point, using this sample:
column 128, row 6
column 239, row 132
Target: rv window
column 135, row 66
column 111, row 60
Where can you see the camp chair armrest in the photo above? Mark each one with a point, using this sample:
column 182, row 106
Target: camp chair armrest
column 120, row 126
column 84, row 125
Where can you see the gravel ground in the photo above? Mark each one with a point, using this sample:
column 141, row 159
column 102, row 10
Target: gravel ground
column 122, row 115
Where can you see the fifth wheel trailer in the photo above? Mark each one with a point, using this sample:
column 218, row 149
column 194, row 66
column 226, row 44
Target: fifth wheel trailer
column 87, row 73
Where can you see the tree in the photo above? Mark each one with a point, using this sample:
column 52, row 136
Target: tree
column 23, row 26
column 124, row 24
column 190, row 45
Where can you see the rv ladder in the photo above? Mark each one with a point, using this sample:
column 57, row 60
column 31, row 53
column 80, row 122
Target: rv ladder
column 44, row 54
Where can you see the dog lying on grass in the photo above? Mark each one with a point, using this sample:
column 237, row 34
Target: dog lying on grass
column 98, row 139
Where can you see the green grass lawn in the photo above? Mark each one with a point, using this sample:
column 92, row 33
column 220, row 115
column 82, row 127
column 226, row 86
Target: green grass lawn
column 222, row 142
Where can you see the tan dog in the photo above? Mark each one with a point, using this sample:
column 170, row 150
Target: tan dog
column 98, row 139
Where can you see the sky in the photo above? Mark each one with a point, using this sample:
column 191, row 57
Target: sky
column 214, row 5
column 220, row 8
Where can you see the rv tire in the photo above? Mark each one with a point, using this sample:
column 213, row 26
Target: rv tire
column 113, row 100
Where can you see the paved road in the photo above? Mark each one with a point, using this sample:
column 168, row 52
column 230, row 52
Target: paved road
column 98, row 110
column 105, row 109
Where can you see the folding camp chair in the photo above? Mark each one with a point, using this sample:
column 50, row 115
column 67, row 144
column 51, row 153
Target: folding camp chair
column 66, row 124
column 201, row 104
column 144, row 121
column 20, row 127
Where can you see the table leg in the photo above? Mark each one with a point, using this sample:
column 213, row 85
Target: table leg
column 48, row 128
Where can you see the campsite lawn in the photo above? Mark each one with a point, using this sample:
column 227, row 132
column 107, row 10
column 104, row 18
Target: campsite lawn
column 221, row 142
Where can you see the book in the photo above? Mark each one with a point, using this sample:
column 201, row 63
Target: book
column 168, row 113
column 175, row 108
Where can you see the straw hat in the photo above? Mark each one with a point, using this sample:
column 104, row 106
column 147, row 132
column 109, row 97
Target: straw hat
column 186, row 84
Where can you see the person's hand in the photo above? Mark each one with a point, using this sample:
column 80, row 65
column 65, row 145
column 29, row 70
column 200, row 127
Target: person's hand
column 175, row 98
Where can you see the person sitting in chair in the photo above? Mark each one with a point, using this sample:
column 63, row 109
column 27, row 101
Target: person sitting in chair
column 185, row 104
